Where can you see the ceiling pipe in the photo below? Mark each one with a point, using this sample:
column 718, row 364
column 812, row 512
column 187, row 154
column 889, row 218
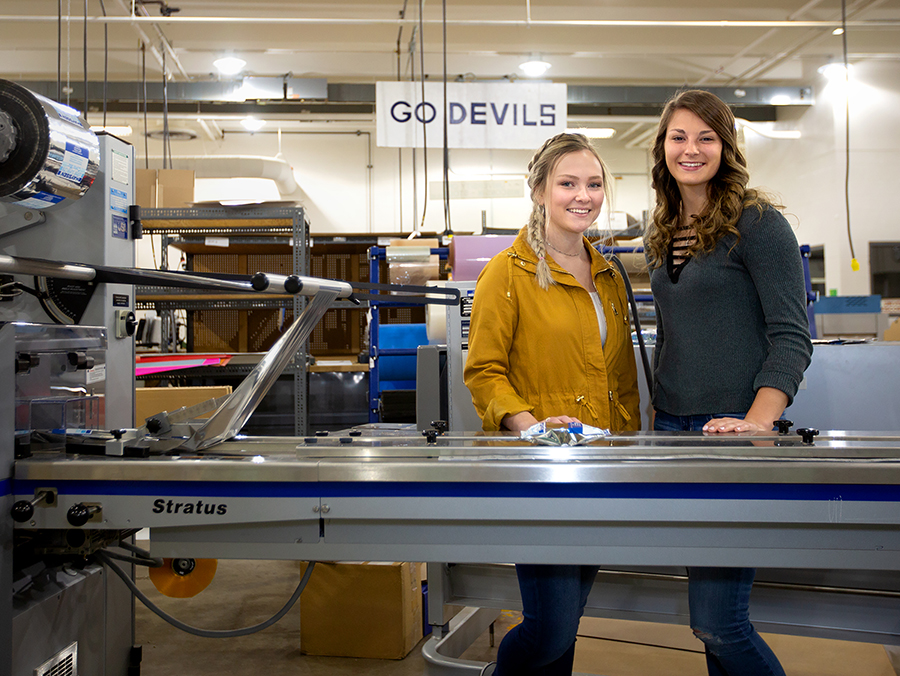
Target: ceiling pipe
column 746, row 50
column 772, row 62
column 170, row 53
column 241, row 166
column 509, row 23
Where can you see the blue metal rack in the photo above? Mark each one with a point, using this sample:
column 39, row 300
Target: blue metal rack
column 376, row 255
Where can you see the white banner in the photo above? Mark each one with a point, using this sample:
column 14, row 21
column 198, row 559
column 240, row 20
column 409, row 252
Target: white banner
column 480, row 115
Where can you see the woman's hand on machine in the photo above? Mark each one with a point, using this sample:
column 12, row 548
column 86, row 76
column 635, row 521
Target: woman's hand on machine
column 524, row 420
column 724, row 425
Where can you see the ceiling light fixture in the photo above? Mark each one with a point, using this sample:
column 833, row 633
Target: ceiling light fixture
column 115, row 131
column 836, row 71
column 229, row 65
column 768, row 133
column 252, row 124
column 534, row 66
column 593, row 132
column 837, row 31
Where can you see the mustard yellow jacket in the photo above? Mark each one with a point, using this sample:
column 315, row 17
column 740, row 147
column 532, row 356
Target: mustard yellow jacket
column 539, row 351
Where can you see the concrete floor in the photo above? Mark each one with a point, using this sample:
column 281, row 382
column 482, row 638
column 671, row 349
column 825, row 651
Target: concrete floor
column 247, row 592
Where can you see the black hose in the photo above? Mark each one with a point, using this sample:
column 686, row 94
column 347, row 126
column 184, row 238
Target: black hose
column 206, row 633
column 637, row 323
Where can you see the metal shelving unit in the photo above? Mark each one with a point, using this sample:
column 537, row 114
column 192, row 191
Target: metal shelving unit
column 255, row 227
column 376, row 255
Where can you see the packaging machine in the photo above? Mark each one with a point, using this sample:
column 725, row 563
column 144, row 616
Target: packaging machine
column 808, row 505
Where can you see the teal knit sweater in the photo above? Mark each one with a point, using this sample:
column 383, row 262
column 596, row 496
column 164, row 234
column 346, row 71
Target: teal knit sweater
column 734, row 321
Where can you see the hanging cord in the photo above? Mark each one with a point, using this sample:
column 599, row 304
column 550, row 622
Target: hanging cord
column 84, row 50
column 144, row 104
column 165, row 109
column 854, row 264
column 421, row 43
column 107, row 559
column 645, row 361
column 448, row 231
column 105, row 61
column 400, row 150
column 59, row 51
column 68, row 87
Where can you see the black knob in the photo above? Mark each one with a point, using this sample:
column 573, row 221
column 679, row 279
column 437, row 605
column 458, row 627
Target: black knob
column 439, row 425
column 183, row 566
column 346, row 440
column 321, row 433
column 26, row 362
column 79, row 514
column 117, row 434
column 807, row 434
column 784, row 426
column 259, row 281
column 355, row 433
column 22, row 511
column 154, row 425
column 431, row 436
column 293, row 284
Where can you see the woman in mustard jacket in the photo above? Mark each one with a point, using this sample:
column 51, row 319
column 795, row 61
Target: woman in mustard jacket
column 549, row 340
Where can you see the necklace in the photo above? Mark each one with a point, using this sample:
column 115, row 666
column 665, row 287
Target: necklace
column 570, row 255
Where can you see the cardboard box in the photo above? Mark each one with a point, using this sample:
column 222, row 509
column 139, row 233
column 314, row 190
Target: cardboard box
column 371, row 610
column 149, row 401
column 164, row 188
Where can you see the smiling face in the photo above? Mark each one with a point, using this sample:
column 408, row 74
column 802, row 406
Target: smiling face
column 693, row 150
column 574, row 194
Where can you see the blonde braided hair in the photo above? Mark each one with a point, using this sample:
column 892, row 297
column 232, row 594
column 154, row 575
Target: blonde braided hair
column 540, row 169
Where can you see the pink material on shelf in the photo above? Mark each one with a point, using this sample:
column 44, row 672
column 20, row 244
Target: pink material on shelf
column 470, row 253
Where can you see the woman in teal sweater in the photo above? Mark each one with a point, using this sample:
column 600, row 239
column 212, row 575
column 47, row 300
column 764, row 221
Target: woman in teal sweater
column 732, row 330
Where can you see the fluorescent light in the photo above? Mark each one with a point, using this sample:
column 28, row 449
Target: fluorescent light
column 253, row 123
column 837, row 31
column 115, row 131
column 534, row 67
column 781, row 100
column 594, row 132
column 836, row 71
column 229, row 65
column 768, row 133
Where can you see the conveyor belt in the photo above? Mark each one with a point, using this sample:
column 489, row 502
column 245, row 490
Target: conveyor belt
column 643, row 499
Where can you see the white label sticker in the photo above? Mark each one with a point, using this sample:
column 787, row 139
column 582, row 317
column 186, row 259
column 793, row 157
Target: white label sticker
column 96, row 374
column 216, row 241
column 119, row 171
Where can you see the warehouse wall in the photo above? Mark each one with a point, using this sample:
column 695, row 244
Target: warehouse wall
column 809, row 173
column 342, row 195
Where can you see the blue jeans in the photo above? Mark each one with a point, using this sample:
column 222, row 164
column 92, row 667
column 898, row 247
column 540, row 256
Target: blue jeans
column 553, row 599
column 720, row 598
column 665, row 422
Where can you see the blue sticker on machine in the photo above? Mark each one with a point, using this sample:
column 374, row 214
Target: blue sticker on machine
column 120, row 227
column 41, row 200
column 118, row 200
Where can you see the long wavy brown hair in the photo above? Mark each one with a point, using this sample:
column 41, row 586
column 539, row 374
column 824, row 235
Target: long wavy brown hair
column 728, row 194
column 540, row 169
